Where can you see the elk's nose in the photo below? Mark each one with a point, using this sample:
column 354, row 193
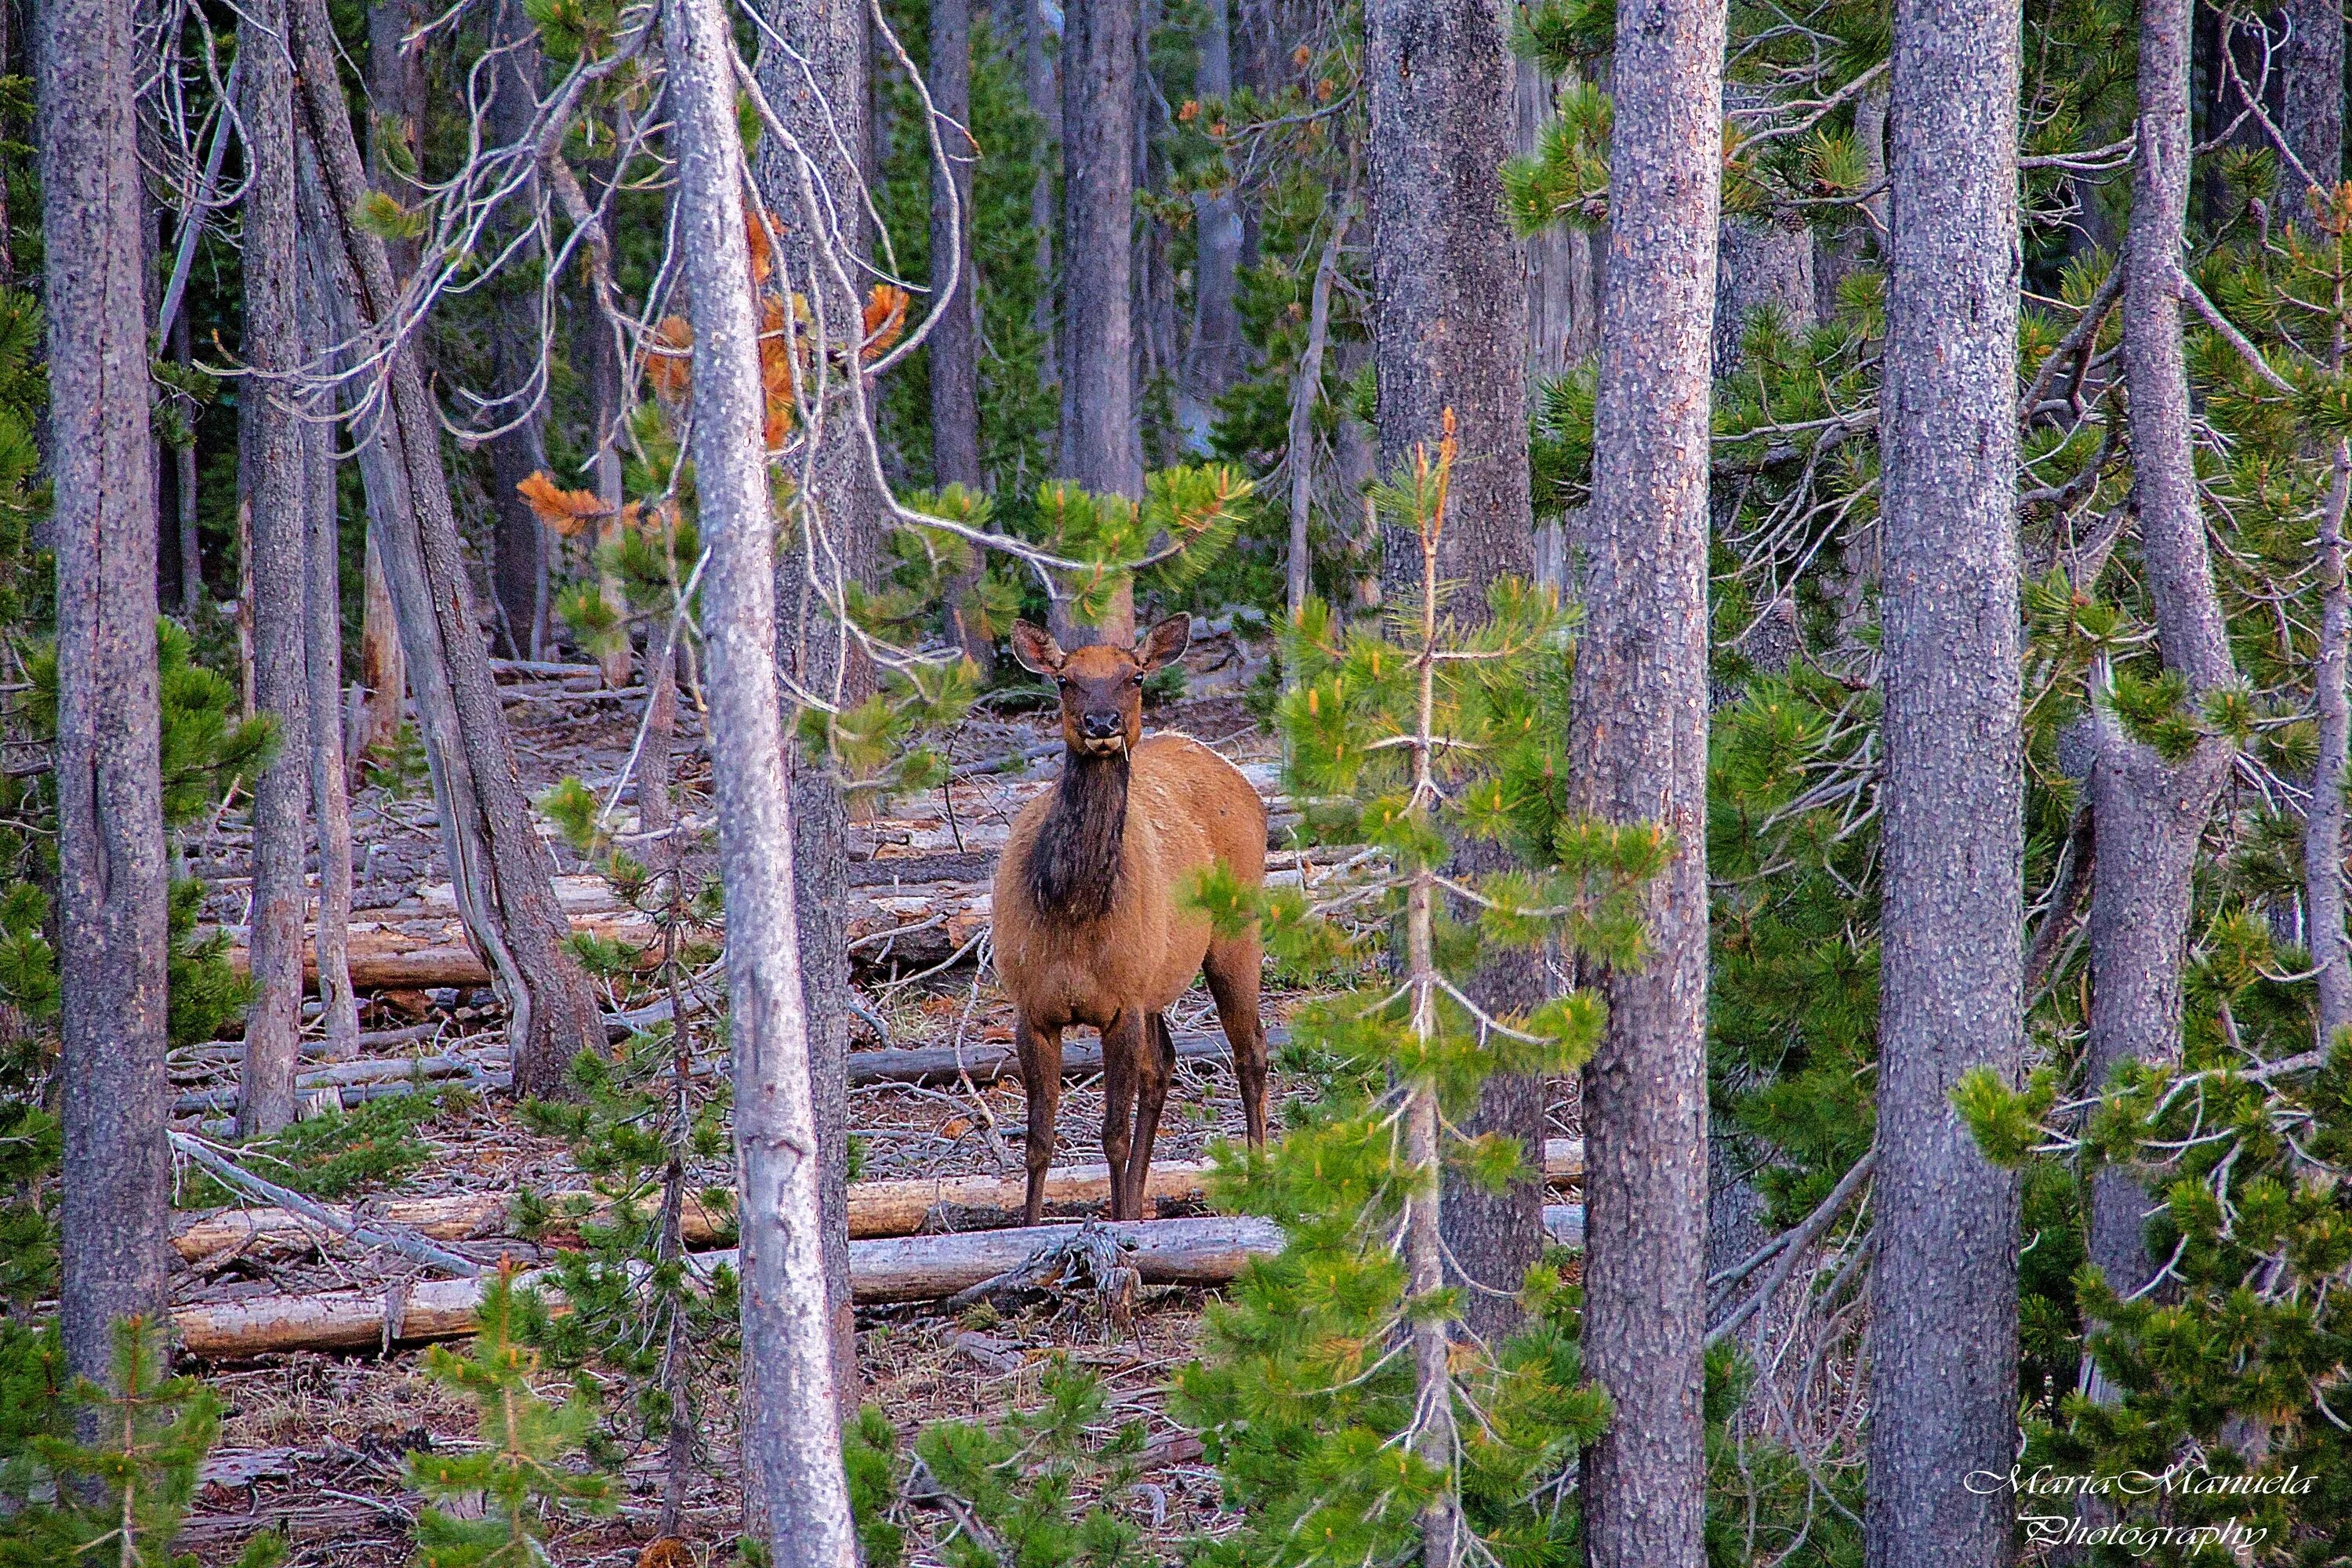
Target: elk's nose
column 1100, row 726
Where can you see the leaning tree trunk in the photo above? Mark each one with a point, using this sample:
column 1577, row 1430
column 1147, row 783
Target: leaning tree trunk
column 1449, row 306
column 824, row 100
column 2323, row 832
column 1943, row 1326
column 518, row 545
column 273, row 447
column 1098, row 408
column 2149, row 813
column 323, row 606
column 501, row 872
column 110, row 879
column 1639, row 722
column 793, row 1441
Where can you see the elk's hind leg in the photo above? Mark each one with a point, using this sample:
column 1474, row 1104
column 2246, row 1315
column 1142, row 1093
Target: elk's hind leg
column 1041, row 1081
column 1155, row 1065
column 1233, row 967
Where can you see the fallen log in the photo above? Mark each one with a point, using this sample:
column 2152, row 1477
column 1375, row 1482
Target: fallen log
column 880, row 1208
column 893, row 1269
column 430, row 1072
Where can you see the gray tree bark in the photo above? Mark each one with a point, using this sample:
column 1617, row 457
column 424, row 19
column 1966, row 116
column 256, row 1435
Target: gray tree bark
column 1943, row 1326
column 824, row 100
column 2148, row 814
column 2310, row 76
column 1449, row 305
column 1449, row 308
column 110, row 866
column 1563, row 303
column 1098, row 405
column 1639, row 722
column 793, row 1441
column 1216, row 348
column 1045, row 100
column 955, row 340
column 954, row 348
column 1306, row 390
column 519, row 545
column 395, row 84
column 2323, row 829
column 501, row 868
column 322, row 660
column 184, row 486
column 272, row 447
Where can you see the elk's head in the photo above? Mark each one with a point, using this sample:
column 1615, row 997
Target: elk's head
column 1102, row 686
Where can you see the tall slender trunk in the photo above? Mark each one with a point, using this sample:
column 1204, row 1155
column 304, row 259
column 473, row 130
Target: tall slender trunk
column 110, row 877
column 395, row 84
column 1099, row 404
column 955, row 340
column 500, row 869
column 1557, row 262
column 1943, row 1326
column 1215, row 354
column 1046, row 101
column 273, row 447
column 183, row 476
column 2149, row 813
column 818, row 99
column 1306, row 392
column 792, row 1438
column 1449, row 306
column 322, row 652
column 2322, row 829
column 519, row 544
column 2311, row 73
column 1639, row 718
column 608, row 402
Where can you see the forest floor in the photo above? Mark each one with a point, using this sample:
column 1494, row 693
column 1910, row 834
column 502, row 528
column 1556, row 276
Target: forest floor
column 314, row 1443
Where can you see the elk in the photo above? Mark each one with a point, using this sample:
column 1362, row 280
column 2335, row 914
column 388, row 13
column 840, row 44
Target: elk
column 1090, row 925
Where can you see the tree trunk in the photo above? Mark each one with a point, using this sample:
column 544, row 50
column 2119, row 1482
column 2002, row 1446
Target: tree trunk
column 324, row 663
column 1046, row 101
column 1639, row 718
column 273, row 446
column 183, row 476
column 2149, row 813
column 606, row 373
column 2323, row 832
column 110, row 879
column 2311, row 72
column 1306, row 390
column 1449, row 305
column 499, row 867
column 955, row 340
column 518, row 551
column 792, row 1438
column 1943, row 1326
column 1216, row 349
column 1557, row 262
column 1760, row 263
column 395, row 83
column 1099, row 404
column 813, row 98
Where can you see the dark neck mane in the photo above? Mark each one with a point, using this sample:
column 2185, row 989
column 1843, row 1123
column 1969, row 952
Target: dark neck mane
column 1074, row 866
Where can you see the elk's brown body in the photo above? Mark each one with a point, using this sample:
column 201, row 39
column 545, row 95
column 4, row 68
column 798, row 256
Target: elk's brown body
column 1090, row 927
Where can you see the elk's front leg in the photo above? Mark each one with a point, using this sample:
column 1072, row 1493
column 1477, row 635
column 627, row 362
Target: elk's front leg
column 1155, row 1065
column 1041, row 1080
column 1124, row 1043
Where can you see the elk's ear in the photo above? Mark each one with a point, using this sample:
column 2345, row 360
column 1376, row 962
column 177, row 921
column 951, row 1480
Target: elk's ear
column 1035, row 647
column 1165, row 643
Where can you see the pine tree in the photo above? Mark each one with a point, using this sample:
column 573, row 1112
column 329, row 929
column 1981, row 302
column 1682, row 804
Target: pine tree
column 118, row 1494
column 523, row 1466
